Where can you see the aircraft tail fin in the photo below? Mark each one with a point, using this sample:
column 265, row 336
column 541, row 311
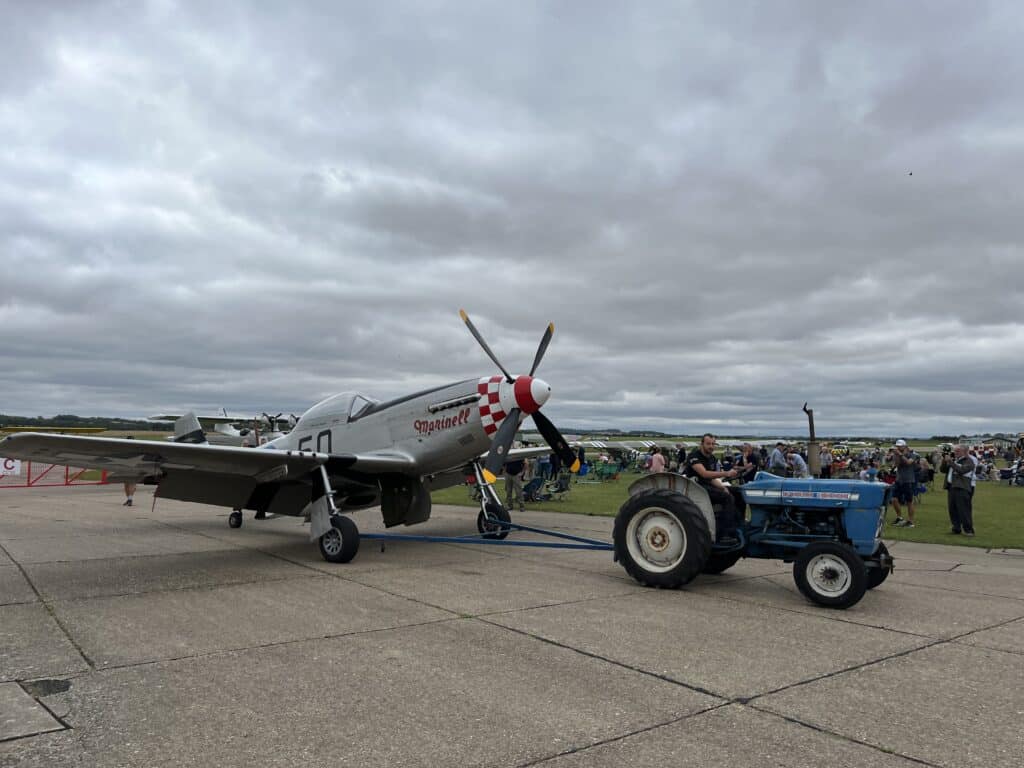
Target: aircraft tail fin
column 187, row 429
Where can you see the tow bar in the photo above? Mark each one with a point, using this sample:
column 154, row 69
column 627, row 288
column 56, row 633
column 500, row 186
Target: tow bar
column 578, row 542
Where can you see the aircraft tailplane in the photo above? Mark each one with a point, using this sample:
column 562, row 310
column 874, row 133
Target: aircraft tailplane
column 187, row 429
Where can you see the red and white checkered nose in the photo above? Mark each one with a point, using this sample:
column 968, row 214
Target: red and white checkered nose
column 531, row 393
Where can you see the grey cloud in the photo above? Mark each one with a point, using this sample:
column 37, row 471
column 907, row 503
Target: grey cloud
column 206, row 205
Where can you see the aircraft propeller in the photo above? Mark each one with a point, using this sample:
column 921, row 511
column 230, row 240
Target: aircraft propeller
column 506, row 433
column 272, row 420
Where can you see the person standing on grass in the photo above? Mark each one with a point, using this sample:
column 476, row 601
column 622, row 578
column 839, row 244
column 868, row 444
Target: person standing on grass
column 777, row 463
column 904, row 461
column 657, row 460
column 798, row 465
column 825, row 459
column 958, row 470
column 749, row 463
column 514, row 484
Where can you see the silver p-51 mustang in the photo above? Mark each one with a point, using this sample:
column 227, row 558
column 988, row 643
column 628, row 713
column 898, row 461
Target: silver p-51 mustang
column 347, row 452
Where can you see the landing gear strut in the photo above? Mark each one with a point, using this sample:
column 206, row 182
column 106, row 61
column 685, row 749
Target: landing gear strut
column 493, row 519
column 336, row 534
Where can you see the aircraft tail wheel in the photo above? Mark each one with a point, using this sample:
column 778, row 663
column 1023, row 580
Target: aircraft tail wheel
column 235, row 519
column 494, row 526
column 340, row 544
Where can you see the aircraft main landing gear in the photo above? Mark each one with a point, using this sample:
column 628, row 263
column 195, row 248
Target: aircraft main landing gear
column 336, row 534
column 235, row 519
column 341, row 543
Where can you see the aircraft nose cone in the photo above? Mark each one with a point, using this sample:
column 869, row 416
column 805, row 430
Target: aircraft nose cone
column 531, row 393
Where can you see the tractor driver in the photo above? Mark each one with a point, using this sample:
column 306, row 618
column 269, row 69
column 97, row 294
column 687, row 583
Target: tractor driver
column 702, row 465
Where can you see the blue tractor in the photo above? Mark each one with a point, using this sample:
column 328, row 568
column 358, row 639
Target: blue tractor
column 831, row 530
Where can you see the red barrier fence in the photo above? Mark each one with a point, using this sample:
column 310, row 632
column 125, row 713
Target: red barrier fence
column 28, row 474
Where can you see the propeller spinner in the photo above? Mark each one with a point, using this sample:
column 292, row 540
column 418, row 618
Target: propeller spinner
column 508, row 399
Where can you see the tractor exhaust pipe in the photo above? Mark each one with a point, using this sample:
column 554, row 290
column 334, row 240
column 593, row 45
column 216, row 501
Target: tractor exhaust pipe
column 813, row 457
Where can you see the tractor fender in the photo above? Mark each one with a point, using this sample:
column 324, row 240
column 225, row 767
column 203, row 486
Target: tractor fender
column 687, row 486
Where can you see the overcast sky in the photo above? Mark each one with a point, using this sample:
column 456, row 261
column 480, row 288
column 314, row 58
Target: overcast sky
column 727, row 209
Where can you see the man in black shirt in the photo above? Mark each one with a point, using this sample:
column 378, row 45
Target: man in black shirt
column 702, row 465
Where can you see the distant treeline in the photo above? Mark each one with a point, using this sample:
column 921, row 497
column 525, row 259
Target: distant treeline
column 70, row 420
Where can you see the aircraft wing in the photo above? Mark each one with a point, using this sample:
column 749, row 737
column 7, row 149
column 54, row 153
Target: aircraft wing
column 526, row 453
column 207, row 474
column 206, row 420
column 141, row 458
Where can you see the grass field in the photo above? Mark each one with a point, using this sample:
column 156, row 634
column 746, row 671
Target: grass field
column 998, row 511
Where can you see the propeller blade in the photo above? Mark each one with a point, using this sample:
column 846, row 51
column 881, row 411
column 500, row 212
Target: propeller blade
column 499, row 446
column 545, row 340
column 554, row 438
column 480, row 340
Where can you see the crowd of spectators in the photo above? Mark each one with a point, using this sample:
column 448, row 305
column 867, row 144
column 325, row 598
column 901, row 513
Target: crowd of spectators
column 911, row 473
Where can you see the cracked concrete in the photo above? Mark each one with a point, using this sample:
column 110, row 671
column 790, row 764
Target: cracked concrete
column 133, row 638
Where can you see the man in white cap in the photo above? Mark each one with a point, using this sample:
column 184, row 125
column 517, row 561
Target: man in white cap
column 904, row 461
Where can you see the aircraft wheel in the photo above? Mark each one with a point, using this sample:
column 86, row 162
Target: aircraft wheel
column 661, row 538
column 494, row 527
column 340, row 544
column 235, row 519
column 830, row 574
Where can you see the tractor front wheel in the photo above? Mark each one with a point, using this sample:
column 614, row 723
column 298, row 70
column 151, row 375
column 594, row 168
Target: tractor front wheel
column 831, row 574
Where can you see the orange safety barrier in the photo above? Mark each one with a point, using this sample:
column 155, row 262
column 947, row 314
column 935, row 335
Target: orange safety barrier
column 28, row 474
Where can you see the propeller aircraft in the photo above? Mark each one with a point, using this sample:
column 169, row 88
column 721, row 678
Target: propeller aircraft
column 347, row 452
column 233, row 430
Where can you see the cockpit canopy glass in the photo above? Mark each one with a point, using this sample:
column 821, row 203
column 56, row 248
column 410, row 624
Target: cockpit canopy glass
column 345, row 405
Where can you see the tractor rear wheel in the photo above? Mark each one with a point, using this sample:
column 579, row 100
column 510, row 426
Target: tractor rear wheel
column 831, row 574
column 661, row 538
